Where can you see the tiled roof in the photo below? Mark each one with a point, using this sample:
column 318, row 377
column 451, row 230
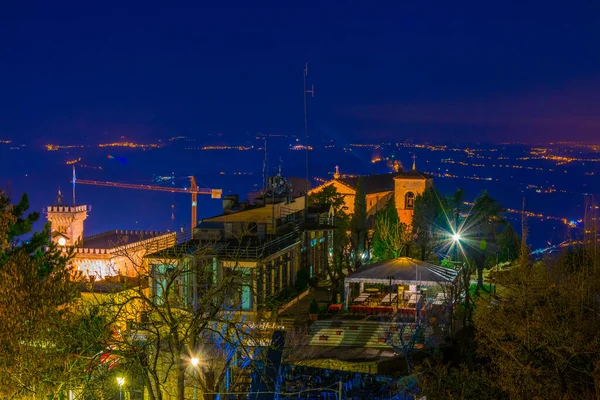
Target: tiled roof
column 414, row 174
column 383, row 182
column 373, row 183
column 111, row 239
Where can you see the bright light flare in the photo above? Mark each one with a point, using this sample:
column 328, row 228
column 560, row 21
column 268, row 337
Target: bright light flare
column 120, row 381
column 195, row 361
column 456, row 237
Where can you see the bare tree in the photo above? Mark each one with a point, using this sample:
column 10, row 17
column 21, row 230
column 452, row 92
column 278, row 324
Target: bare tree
column 179, row 320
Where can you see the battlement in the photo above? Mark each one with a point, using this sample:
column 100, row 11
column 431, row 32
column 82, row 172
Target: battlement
column 67, row 209
column 117, row 241
column 126, row 232
column 122, row 239
column 85, row 250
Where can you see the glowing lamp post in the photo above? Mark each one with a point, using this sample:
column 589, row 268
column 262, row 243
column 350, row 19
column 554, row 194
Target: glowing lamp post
column 194, row 361
column 121, row 383
column 456, row 241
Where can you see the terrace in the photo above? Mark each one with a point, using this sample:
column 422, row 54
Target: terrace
column 403, row 285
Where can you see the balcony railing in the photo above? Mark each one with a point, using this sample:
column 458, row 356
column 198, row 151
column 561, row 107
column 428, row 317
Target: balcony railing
column 255, row 250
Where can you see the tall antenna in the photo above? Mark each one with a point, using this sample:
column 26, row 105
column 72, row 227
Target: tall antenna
column 312, row 92
column 590, row 224
column 264, row 172
column 74, row 184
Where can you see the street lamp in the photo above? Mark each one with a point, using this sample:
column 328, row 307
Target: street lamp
column 456, row 240
column 120, row 382
column 195, row 361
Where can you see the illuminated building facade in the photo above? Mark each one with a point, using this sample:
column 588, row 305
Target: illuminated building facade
column 262, row 245
column 113, row 253
column 380, row 189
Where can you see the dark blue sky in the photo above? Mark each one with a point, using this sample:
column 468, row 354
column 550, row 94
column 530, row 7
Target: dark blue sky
column 434, row 70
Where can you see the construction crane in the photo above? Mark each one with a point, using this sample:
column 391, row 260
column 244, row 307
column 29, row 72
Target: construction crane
column 194, row 190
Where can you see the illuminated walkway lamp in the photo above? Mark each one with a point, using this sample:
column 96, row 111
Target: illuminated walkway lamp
column 121, row 383
column 456, row 242
column 195, row 361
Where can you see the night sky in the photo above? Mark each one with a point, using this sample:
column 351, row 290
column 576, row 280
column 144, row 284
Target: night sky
column 442, row 70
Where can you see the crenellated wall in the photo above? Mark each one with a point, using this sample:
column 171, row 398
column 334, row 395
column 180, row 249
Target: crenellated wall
column 67, row 222
column 67, row 209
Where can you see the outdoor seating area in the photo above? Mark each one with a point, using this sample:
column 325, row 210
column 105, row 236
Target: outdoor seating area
column 403, row 285
column 380, row 304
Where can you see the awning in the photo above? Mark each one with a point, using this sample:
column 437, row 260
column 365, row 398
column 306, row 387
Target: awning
column 404, row 271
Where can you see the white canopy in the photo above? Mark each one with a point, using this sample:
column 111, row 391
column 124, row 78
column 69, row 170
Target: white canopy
column 404, row 271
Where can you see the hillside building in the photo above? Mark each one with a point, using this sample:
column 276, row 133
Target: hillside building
column 264, row 245
column 112, row 253
column 380, row 189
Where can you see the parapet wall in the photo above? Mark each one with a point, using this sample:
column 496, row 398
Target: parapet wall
column 67, row 208
column 144, row 234
column 153, row 240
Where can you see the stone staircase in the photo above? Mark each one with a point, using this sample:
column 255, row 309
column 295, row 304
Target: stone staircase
column 370, row 334
column 297, row 314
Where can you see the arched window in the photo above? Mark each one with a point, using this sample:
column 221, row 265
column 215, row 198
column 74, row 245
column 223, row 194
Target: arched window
column 409, row 200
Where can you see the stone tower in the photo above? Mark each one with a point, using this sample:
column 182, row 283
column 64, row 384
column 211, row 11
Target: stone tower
column 407, row 186
column 66, row 223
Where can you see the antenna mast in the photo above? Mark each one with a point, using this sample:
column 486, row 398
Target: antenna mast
column 264, row 172
column 312, row 92
column 74, row 184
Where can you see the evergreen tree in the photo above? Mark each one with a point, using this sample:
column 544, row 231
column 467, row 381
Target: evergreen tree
column 391, row 236
column 359, row 222
column 14, row 224
column 329, row 195
column 483, row 224
column 338, row 264
column 43, row 351
column 509, row 245
column 455, row 205
column 427, row 217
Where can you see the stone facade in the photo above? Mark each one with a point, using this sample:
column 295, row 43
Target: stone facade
column 403, row 187
column 118, row 258
column 405, row 192
column 375, row 201
column 66, row 224
column 107, row 254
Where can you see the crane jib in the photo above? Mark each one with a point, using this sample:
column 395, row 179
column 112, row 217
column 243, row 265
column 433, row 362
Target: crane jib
column 194, row 190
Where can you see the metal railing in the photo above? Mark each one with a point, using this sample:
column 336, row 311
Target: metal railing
column 252, row 251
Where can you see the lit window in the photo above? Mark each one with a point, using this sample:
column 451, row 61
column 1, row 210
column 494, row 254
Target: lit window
column 409, row 200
